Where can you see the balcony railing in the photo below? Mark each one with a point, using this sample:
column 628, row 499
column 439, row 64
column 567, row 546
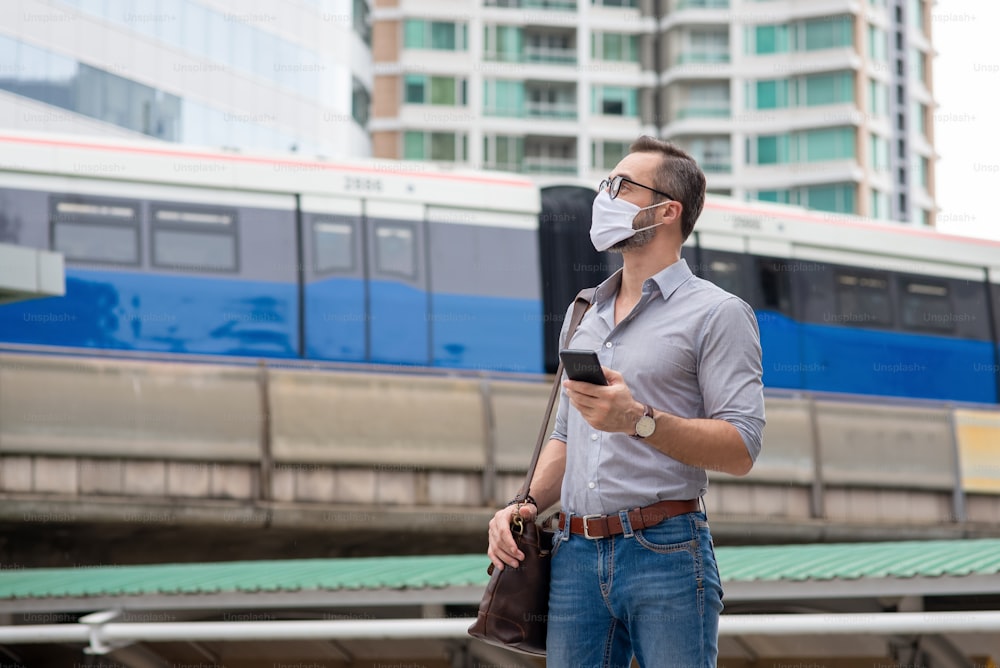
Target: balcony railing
column 550, row 110
column 686, row 57
column 546, row 54
column 557, row 5
column 701, row 4
column 546, row 165
column 703, row 112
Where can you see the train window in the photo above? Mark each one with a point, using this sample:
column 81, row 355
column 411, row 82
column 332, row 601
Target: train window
column 333, row 245
column 96, row 231
column 926, row 306
column 774, row 279
column 194, row 239
column 727, row 270
column 395, row 250
column 862, row 299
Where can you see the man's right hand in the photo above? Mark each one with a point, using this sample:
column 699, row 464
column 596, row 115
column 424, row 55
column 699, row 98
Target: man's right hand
column 503, row 550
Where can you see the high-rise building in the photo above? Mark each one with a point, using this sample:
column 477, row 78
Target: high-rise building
column 827, row 104
column 290, row 75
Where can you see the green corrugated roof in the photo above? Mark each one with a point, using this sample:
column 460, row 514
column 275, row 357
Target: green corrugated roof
column 792, row 563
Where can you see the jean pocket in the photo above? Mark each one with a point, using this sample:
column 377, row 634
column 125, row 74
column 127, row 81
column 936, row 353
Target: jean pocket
column 651, row 544
column 673, row 535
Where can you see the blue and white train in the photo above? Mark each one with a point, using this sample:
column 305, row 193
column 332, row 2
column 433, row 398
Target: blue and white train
column 170, row 249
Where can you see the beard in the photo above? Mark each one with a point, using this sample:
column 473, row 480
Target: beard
column 643, row 235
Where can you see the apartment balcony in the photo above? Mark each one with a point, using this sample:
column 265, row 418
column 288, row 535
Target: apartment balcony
column 548, row 165
column 699, row 4
column 701, row 57
column 702, row 111
column 555, row 5
column 550, row 110
column 549, row 55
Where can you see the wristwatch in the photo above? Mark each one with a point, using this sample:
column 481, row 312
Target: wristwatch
column 646, row 425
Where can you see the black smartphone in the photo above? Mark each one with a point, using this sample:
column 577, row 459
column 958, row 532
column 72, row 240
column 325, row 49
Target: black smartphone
column 583, row 365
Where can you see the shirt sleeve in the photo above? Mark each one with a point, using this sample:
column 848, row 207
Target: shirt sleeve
column 559, row 429
column 730, row 371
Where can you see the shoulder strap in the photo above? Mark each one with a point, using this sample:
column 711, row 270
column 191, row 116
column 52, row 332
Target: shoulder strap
column 580, row 305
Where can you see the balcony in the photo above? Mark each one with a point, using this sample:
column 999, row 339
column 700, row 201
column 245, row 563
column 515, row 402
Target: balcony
column 549, row 55
column 540, row 164
column 551, row 110
column 702, row 111
column 557, row 5
column 701, row 4
column 701, row 57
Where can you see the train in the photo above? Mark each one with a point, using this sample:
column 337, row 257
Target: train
column 190, row 252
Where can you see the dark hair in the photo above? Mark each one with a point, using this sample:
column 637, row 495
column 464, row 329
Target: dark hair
column 678, row 175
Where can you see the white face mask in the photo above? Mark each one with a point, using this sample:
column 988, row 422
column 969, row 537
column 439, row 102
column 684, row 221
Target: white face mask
column 612, row 220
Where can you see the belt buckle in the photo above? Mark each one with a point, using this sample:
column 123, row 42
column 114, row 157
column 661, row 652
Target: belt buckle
column 586, row 526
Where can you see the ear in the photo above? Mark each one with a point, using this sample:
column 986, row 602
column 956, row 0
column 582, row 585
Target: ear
column 672, row 212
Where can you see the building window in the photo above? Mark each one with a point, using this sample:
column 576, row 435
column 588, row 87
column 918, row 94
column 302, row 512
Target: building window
column 503, row 44
column 362, row 21
column 878, row 44
column 772, row 94
column 440, row 146
column 880, row 205
column 423, row 89
column 503, row 98
column 828, row 32
column 773, row 39
column 437, row 35
column 829, row 144
column 878, row 98
column 503, row 152
column 607, row 154
column 360, row 104
column 878, row 154
column 615, row 101
column 829, row 88
column 836, row 197
column 615, row 47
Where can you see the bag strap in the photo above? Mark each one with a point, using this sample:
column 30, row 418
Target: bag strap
column 580, row 305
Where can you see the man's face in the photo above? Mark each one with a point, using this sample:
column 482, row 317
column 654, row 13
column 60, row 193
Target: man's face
column 639, row 167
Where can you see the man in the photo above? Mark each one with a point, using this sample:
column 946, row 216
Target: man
column 633, row 567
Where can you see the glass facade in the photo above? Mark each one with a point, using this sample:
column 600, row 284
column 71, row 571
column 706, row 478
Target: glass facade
column 615, row 47
column 828, row 32
column 817, row 145
column 231, row 39
column 438, row 35
column 441, row 146
column 62, row 82
column 833, row 197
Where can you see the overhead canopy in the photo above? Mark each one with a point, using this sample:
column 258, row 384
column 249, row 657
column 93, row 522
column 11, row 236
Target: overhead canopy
column 822, row 592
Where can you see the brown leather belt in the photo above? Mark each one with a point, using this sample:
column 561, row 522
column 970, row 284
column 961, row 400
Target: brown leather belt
column 603, row 526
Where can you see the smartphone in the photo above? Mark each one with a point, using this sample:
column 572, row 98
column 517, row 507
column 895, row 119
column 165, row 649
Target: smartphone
column 583, row 365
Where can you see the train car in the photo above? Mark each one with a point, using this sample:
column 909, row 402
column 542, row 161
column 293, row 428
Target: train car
column 844, row 304
column 179, row 250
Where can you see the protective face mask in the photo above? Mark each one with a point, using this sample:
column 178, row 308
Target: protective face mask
column 612, row 220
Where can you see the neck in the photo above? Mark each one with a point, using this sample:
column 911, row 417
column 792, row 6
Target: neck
column 642, row 263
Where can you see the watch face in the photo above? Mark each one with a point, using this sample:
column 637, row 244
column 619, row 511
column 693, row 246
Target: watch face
column 645, row 426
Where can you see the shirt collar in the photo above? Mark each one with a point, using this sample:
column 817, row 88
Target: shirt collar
column 667, row 280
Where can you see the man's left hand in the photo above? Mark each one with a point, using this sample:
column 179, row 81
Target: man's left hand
column 605, row 407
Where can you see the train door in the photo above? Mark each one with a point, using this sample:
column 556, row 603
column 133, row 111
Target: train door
column 335, row 320
column 396, row 271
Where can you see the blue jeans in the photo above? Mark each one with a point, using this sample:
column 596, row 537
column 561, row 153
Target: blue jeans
column 655, row 594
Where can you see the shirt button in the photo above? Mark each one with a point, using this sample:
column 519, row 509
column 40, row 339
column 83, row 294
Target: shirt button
column 591, row 485
column 593, row 437
column 608, row 344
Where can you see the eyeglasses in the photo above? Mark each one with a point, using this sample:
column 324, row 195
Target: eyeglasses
column 615, row 184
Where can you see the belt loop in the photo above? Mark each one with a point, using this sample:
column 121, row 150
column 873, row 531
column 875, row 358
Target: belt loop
column 626, row 525
column 567, row 532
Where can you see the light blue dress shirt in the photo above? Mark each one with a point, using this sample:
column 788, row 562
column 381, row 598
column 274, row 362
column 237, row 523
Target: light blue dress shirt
column 688, row 348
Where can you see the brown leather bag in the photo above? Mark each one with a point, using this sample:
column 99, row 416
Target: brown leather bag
column 514, row 611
